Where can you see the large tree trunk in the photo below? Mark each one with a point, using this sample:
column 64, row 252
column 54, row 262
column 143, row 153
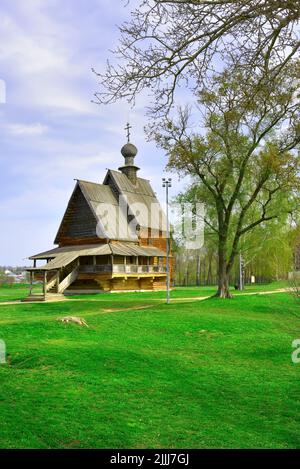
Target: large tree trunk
column 223, row 286
column 223, row 273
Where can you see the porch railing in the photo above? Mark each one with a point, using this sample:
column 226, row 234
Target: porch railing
column 121, row 268
column 95, row 268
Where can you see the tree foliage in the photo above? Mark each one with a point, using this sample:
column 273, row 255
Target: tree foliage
column 244, row 163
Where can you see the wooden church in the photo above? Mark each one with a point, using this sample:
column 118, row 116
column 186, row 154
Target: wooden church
column 112, row 238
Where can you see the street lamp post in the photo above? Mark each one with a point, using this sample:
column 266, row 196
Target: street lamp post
column 167, row 183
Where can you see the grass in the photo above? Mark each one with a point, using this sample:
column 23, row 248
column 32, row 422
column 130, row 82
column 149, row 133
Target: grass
column 18, row 291
column 209, row 374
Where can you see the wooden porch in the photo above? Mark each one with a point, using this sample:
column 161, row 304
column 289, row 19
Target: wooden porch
column 91, row 274
column 122, row 266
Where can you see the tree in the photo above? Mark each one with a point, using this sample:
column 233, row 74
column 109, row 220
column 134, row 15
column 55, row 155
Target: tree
column 245, row 164
column 168, row 43
column 268, row 250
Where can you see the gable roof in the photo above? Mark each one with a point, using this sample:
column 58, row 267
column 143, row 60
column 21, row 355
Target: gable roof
column 112, row 222
column 72, row 221
column 141, row 199
column 124, row 184
column 93, row 211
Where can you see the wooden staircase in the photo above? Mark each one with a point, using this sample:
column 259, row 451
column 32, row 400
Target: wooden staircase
column 31, row 298
column 56, row 285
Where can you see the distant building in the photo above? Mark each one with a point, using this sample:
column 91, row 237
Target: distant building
column 17, row 278
column 112, row 237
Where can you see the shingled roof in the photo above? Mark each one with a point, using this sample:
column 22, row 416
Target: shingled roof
column 93, row 209
column 60, row 257
column 141, row 199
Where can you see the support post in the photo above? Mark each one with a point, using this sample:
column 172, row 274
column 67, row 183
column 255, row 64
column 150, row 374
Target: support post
column 57, row 281
column 45, row 283
column 30, row 285
column 167, row 183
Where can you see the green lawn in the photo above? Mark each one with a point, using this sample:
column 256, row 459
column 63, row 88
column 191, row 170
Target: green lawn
column 17, row 291
column 202, row 374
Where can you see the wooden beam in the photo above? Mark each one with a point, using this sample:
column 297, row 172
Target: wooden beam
column 30, row 285
column 112, row 263
column 57, row 280
column 45, row 282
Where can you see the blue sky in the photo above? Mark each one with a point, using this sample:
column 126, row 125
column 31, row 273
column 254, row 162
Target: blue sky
column 50, row 132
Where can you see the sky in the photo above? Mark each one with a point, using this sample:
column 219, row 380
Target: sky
column 50, row 131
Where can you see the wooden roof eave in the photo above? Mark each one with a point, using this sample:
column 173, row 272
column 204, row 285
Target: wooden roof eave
column 56, row 241
column 41, row 269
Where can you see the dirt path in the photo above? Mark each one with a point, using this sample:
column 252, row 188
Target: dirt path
column 173, row 300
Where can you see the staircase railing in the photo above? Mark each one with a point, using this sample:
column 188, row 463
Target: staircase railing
column 51, row 283
column 66, row 282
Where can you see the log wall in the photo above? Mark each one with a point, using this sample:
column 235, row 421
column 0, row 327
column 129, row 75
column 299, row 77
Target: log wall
column 105, row 283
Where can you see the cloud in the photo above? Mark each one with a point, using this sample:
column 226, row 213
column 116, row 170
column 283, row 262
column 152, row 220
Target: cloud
column 26, row 129
column 50, row 131
column 38, row 59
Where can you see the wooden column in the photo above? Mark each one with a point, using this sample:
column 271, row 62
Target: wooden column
column 30, row 284
column 112, row 271
column 125, row 263
column 34, row 263
column 45, row 283
column 57, row 281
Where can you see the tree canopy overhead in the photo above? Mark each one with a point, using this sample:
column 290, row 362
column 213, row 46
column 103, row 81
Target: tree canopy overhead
column 245, row 165
column 168, row 43
column 241, row 61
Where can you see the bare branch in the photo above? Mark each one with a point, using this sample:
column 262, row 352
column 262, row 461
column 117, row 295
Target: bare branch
column 170, row 43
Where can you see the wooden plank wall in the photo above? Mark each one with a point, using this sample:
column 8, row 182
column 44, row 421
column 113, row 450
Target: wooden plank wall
column 106, row 283
column 79, row 222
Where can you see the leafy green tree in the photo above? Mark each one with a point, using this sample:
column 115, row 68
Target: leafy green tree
column 244, row 163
